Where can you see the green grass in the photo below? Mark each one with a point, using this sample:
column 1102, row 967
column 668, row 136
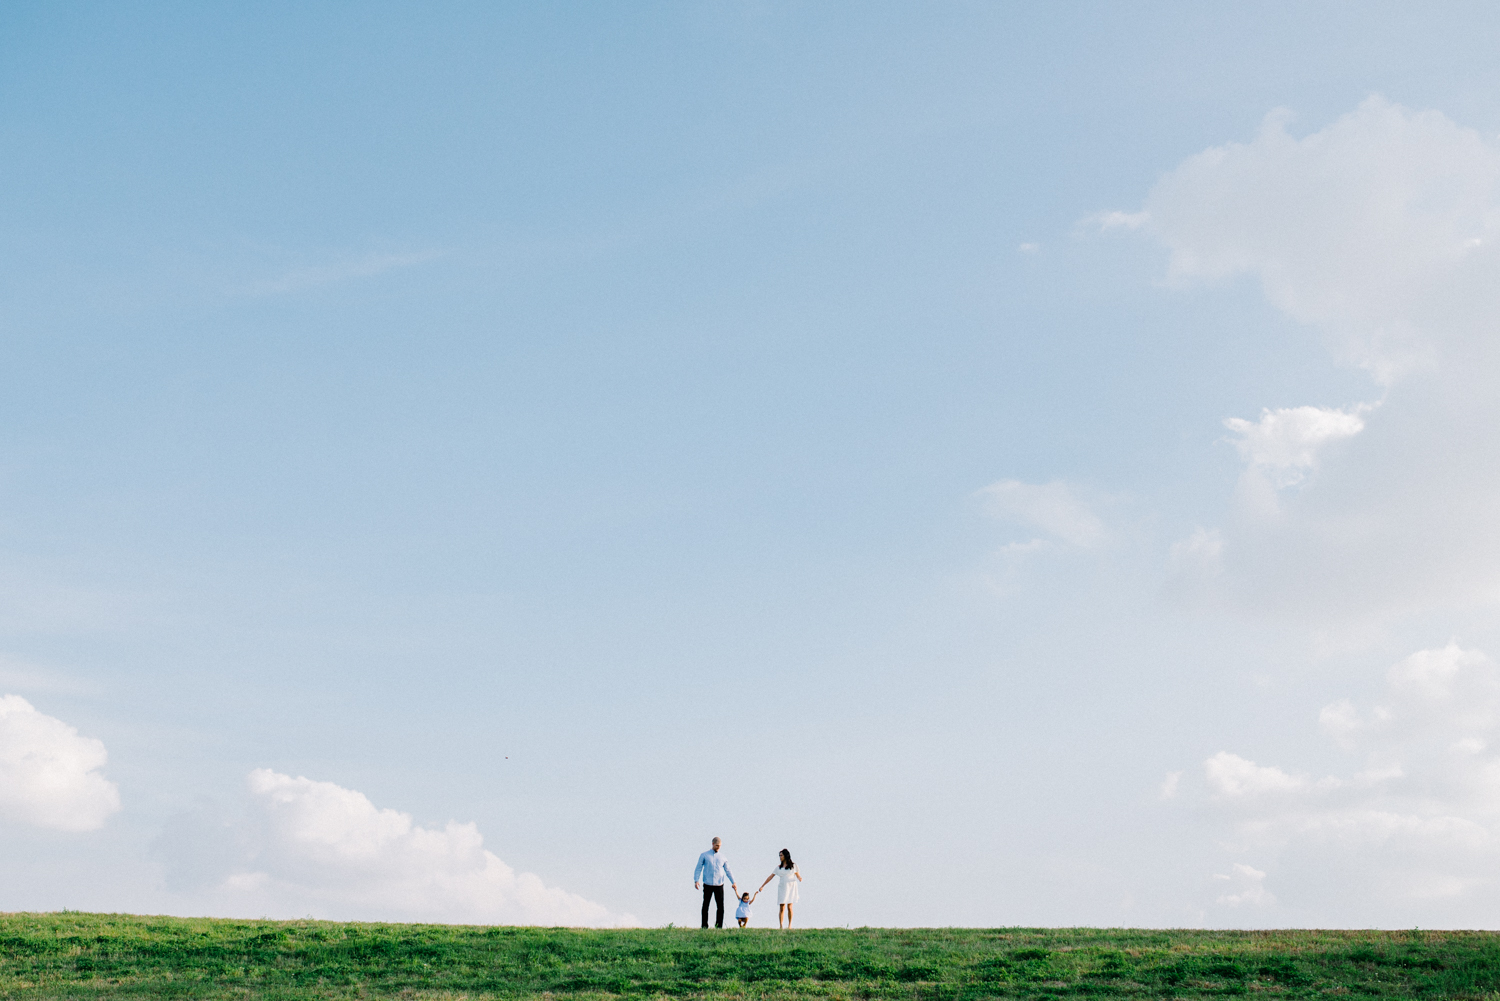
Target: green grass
column 96, row 955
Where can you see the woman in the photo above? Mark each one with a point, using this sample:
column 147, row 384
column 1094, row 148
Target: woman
column 786, row 890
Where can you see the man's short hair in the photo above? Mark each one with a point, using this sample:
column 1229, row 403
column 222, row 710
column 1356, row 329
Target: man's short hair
column 717, row 841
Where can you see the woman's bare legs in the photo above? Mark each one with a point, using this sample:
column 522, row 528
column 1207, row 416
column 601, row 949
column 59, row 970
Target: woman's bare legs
column 781, row 910
column 788, row 917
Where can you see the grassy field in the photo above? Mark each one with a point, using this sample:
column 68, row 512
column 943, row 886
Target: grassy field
column 97, row 955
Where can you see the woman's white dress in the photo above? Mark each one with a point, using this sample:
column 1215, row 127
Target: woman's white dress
column 786, row 889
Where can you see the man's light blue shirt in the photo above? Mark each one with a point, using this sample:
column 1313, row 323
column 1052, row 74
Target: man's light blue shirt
column 712, row 869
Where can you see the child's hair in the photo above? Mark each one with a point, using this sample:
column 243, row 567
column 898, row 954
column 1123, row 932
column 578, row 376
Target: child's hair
column 745, row 895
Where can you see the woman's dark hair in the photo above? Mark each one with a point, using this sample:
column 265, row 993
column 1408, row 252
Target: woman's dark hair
column 786, row 859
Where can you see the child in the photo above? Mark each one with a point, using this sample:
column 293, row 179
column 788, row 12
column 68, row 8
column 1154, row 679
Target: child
column 742, row 912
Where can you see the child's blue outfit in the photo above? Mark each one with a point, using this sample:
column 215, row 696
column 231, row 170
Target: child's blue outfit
column 742, row 911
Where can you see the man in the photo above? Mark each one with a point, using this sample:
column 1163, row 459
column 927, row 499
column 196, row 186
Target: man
column 710, row 871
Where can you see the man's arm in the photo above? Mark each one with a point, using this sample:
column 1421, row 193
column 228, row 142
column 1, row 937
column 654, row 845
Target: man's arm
column 697, row 871
column 732, row 883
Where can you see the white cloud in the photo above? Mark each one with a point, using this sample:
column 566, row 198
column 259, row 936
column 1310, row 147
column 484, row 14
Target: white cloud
column 1284, row 443
column 1121, row 220
column 1048, row 507
column 1248, row 887
column 1168, row 788
column 1233, row 777
column 1340, row 721
column 1194, row 562
column 1432, row 675
column 1381, row 233
column 316, row 847
column 1419, row 819
column 49, row 775
column 1359, row 229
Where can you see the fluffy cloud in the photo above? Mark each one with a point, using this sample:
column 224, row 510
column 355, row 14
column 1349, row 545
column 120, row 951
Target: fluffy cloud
column 1414, row 823
column 1247, row 886
column 1363, row 229
column 1381, row 233
column 1282, row 449
column 1233, row 777
column 49, row 775
column 1047, row 507
column 1284, row 443
column 315, row 847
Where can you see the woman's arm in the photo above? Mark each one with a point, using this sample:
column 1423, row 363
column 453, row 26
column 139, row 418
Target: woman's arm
column 798, row 874
column 768, row 879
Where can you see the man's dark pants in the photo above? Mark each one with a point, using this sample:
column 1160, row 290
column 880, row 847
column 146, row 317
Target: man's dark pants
column 716, row 894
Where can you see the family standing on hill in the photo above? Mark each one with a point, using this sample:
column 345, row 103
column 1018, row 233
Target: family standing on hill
column 712, row 870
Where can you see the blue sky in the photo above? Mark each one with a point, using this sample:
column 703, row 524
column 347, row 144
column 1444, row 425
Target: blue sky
column 609, row 428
